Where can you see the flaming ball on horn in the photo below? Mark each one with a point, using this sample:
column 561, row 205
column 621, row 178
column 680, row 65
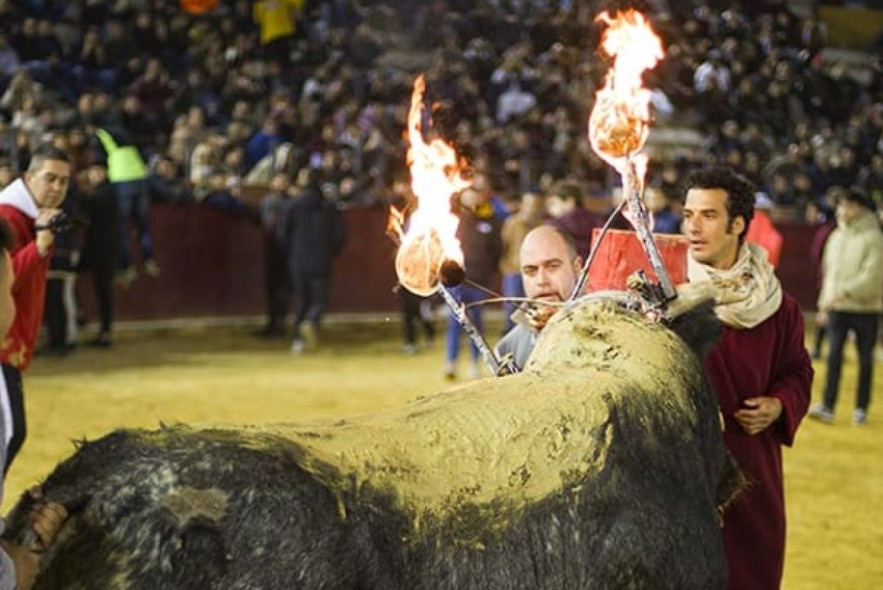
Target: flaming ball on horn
column 620, row 120
column 429, row 248
column 620, row 123
column 418, row 263
column 429, row 259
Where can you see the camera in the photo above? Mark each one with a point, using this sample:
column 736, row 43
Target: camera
column 60, row 223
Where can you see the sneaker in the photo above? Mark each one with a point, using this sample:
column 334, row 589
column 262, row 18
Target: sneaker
column 151, row 268
column 124, row 278
column 310, row 336
column 821, row 413
column 474, row 371
column 860, row 417
column 100, row 341
column 297, row 346
column 450, row 373
column 409, row 349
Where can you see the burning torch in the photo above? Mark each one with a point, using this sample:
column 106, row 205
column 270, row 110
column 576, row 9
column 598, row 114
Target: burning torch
column 429, row 258
column 620, row 123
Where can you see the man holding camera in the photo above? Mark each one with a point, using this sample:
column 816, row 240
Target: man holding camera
column 30, row 206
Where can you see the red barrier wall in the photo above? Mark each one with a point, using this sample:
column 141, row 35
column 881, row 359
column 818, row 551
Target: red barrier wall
column 213, row 265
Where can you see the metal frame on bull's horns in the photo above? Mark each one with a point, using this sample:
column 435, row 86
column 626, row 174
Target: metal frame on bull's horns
column 498, row 367
column 656, row 297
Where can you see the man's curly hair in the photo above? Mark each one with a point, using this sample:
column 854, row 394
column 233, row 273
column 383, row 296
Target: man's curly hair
column 740, row 192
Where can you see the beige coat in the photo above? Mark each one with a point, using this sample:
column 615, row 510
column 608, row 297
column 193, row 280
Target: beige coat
column 852, row 267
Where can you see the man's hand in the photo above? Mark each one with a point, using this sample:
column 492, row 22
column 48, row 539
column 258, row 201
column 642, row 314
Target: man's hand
column 46, row 520
column 758, row 413
column 538, row 315
column 46, row 236
column 26, row 563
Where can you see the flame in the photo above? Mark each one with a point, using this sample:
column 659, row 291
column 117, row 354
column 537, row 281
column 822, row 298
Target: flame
column 620, row 120
column 436, row 175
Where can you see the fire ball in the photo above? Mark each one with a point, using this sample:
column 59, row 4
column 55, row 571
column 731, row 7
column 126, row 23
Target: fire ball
column 418, row 263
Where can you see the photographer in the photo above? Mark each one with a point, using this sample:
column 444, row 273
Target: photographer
column 30, row 205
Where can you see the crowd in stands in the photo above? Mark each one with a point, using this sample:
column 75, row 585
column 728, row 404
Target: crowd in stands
column 224, row 99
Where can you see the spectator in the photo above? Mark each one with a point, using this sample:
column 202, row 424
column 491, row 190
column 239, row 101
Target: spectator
column 127, row 173
column 101, row 244
column 274, row 208
column 666, row 214
column 820, row 215
column 762, row 231
column 565, row 207
column 9, row 61
column 153, row 91
column 166, row 184
column 29, row 205
column 416, row 309
column 19, row 564
column 278, row 21
column 315, row 233
column 479, row 235
column 851, row 299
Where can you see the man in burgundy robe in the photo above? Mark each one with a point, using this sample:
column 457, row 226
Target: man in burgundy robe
column 760, row 368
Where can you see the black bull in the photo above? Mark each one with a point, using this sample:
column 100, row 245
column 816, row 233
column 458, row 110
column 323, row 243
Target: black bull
column 601, row 466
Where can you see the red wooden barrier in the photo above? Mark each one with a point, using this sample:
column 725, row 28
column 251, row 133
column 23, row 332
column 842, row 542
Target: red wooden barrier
column 213, row 265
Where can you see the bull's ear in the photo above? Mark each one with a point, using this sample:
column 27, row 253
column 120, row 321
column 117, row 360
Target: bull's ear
column 698, row 327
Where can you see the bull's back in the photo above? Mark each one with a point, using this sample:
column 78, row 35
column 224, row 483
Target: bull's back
column 578, row 473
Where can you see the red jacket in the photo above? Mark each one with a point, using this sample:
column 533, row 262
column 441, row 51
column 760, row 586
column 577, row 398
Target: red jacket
column 29, row 287
column 763, row 233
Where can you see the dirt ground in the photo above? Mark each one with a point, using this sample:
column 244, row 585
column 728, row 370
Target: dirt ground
column 834, row 475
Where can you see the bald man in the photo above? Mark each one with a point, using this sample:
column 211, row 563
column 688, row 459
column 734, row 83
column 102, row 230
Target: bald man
column 550, row 268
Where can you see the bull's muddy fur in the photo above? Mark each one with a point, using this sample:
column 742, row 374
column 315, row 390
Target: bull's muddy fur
column 600, row 466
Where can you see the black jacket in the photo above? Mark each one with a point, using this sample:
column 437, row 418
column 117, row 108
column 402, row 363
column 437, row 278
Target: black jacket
column 316, row 233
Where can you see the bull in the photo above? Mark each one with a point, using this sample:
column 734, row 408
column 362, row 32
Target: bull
column 600, row 466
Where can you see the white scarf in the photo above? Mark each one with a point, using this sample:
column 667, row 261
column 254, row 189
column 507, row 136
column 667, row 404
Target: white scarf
column 745, row 294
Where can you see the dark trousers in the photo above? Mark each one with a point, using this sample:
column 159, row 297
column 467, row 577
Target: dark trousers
column 102, row 286
column 277, row 285
column 413, row 314
column 864, row 326
column 15, row 389
column 60, row 310
column 311, row 298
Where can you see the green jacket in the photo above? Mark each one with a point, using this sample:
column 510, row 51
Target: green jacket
column 124, row 162
column 852, row 267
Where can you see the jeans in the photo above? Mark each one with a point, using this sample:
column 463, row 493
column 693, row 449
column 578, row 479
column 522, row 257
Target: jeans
column 467, row 295
column 864, row 326
column 512, row 287
column 133, row 200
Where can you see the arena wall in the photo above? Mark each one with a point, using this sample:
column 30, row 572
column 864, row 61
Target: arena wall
column 213, row 265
